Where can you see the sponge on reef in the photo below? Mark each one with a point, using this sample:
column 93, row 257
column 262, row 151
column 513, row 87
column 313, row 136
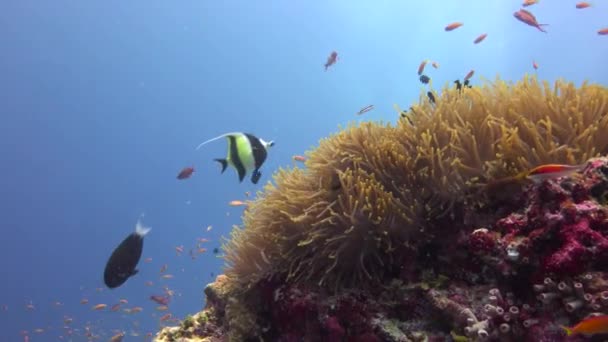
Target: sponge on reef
column 372, row 192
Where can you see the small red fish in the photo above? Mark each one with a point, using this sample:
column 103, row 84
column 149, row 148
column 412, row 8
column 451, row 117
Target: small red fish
column 237, row 203
column 421, row 67
column 534, row 65
column 435, row 65
column 453, row 26
column 185, row 173
column 548, row 171
column 603, row 31
column 582, row 5
column 99, row 307
column 469, row 75
column 118, row 337
column 480, row 38
column 365, row 109
column 162, row 300
column 528, row 18
column 331, row 60
column 589, row 326
column 299, row 158
column 529, row 3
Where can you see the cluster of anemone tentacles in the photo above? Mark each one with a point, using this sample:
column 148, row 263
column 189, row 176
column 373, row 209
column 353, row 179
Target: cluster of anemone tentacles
column 370, row 193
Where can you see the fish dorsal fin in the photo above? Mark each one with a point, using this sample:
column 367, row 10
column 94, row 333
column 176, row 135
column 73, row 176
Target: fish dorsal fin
column 218, row 137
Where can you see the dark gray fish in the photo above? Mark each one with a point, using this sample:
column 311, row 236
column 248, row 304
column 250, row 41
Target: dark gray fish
column 424, row 79
column 458, row 85
column 246, row 153
column 123, row 262
column 431, row 96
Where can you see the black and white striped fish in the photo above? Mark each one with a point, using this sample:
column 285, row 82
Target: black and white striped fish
column 246, row 153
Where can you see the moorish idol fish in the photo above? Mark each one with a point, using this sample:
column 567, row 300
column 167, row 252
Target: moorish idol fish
column 245, row 153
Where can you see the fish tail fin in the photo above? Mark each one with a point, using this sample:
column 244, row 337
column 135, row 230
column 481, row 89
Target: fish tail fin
column 216, row 138
column 140, row 229
column 540, row 27
column 224, row 163
column 568, row 330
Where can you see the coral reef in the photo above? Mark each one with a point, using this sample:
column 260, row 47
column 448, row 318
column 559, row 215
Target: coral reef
column 404, row 233
column 372, row 191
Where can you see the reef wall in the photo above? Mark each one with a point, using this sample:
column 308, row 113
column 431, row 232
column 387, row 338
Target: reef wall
column 408, row 233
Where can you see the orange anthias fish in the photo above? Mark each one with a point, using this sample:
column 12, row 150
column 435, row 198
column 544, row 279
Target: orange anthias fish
column 237, row 203
column 589, row 326
column 534, row 65
column 299, row 158
column 453, row 26
column 331, row 60
column 582, row 5
column 529, row 3
column 536, row 175
column 421, row 67
column 99, row 307
column 185, row 173
column 365, row 109
column 469, row 75
column 549, row 171
column 603, row 31
column 480, row 38
column 528, row 18
column 435, row 65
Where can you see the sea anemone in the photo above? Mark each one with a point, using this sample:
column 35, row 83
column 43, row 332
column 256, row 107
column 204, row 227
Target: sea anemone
column 372, row 193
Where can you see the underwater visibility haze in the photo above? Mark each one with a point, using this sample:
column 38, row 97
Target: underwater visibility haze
column 104, row 103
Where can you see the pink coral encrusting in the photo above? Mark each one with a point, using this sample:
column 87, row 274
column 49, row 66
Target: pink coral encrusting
column 562, row 230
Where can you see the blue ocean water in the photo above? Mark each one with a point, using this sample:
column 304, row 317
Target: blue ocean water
column 103, row 103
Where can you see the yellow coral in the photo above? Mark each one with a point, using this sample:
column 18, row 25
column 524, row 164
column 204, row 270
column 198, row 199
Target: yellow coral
column 370, row 191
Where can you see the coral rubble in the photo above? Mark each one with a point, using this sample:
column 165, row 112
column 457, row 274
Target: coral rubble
column 402, row 234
